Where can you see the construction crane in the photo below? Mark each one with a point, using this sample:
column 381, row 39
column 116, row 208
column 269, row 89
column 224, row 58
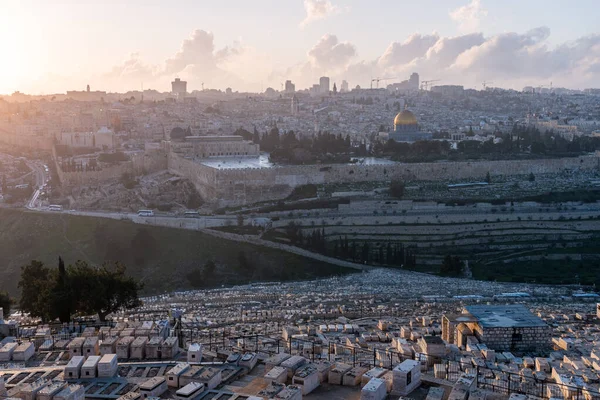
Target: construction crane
column 425, row 84
column 378, row 80
column 485, row 83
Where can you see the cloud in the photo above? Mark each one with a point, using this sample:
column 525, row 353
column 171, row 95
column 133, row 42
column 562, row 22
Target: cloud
column 401, row 53
column 316, row 10
column 509, row 59
column 132, row 66
column 469, row 17
column 198, row 51
column 329, row 54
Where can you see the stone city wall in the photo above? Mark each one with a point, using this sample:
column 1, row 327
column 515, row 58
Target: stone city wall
column 243, row 186
column 139, row 164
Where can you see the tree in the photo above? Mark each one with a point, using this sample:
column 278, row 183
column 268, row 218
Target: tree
column 488, row 177
column 103, row 290
column 451, row 266
column 61, row 294
column 5, row 303
column 397, row 189
column 244, row 265
column 240, row 220
column 531, row 177
column 334, row 89
column 36, row 286
column 209, row 271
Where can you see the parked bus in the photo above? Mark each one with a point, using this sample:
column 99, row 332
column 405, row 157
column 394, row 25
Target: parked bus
column 191, row 214
column 146, row 213
column 55, row 207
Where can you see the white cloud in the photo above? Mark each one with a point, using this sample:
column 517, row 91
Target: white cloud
column 509, row 59
column 469, row 17
column 318, row 9
column 329, row 54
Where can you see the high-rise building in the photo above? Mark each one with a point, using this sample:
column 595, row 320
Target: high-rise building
column 290, row 87
column 414, row 81
column 324, row 85
column 179, row 88
column 344, row 87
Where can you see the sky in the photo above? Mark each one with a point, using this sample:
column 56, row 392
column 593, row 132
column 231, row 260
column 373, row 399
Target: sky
column 51, row 46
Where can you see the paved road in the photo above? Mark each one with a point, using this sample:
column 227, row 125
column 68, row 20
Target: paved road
column 41, row 178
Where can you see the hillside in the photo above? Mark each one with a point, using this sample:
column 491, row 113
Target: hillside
column 160, row 257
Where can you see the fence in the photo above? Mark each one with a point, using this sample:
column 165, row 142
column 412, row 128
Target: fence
column 487, row 378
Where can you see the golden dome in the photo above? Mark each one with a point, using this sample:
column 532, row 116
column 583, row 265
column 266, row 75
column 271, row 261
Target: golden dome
column 405, row 118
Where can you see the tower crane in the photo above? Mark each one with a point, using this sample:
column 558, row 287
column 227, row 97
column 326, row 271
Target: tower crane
column 378, row 80
column 425, row 84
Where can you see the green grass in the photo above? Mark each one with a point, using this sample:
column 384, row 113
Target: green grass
column 159, row 257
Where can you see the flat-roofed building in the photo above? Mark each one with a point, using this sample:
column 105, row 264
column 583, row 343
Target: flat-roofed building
column 153, row 387
column 508, row 327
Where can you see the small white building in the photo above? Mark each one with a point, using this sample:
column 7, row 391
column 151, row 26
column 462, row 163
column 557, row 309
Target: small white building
column 248, row 360
column 6, row 352
column 109, row 345
column 153, row 348
column 354, row 376
column 174, row 374
column 24, row 351
column 89, row 368
column 191, row 391
column 107, row 366
column 276, row 374
column 124, row 347
column 194, row 353
column 292, row 364
column 337, row 373
column 308, row 377
column 73, row 368
column 170, row 348
column 153, row 387
column 375, row 389
column 406, row 377
column 138, row 348
column 90, row 346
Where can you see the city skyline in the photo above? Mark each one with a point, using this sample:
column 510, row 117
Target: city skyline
column 119, row 47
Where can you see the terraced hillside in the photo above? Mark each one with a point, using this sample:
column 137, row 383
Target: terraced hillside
column 523, row 242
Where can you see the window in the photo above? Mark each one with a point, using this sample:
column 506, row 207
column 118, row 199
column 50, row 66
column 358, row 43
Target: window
column 517, row 337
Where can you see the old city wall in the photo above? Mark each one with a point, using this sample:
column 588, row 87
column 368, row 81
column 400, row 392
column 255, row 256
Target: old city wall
column 139, row 164
column 204, row 178
column 243, row 186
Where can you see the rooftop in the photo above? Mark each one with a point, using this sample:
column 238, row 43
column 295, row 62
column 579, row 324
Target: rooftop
column 505, row 316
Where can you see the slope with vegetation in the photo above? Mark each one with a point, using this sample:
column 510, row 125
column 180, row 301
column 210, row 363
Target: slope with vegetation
column 162, row 259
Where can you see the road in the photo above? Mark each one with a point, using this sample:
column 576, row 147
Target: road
column 41, row 178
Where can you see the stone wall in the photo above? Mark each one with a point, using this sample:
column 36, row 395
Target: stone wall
column 515, row 339
column 139, row 164
column 250, row 185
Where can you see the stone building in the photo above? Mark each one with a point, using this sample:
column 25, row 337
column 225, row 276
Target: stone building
column 215, row 146
column 502, row 328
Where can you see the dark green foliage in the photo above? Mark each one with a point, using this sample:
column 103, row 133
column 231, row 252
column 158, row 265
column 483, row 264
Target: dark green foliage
column 451, row 266
column 59, row 293
column 397, row 189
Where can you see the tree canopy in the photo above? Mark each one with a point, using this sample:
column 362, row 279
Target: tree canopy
column 77, row 289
